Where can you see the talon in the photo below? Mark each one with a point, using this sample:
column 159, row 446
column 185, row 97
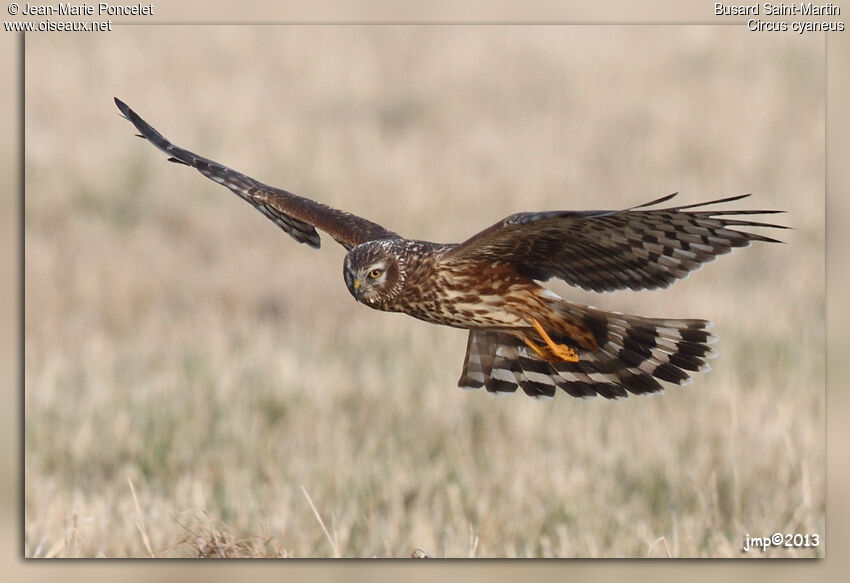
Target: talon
column 565, row 353
column 542, row 351
column 552, row 351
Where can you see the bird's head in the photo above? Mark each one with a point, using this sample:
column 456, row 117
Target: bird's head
column 373, row 274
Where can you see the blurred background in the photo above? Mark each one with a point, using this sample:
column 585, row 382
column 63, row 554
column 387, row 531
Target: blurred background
column 197, row 383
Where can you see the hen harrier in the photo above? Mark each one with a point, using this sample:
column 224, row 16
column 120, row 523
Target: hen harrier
column 521, row 334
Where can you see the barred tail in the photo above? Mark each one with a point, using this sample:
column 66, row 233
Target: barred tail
column 634, row 354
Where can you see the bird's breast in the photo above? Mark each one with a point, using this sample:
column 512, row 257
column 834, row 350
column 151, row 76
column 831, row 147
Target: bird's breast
column 468, row 298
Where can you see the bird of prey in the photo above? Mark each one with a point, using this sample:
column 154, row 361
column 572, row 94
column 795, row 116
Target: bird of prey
column 522, row 335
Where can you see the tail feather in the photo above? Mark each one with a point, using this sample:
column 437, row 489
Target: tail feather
column 635, row 355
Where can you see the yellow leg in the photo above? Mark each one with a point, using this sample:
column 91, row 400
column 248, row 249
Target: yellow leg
column 551, row 351
column 542, row 352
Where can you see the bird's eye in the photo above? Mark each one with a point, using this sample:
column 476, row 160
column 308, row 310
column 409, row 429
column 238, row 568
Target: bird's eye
column 375, row 273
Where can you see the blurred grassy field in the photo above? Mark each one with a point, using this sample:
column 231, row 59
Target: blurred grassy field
column 179, row 342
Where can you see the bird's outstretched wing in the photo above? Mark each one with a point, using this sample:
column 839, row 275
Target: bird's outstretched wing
column 298, row 216
column 611, row 250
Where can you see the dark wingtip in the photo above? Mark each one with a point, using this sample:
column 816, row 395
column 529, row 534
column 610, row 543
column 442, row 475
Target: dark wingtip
column 131, row 116
column 656, row 201
column 128, row 114
column 716, row 201
column 147, row 132
column 122, row 107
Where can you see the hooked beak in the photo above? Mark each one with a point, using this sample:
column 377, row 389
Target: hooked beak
column 355, row 287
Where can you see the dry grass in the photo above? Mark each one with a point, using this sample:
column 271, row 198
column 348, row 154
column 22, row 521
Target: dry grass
column 176, row 340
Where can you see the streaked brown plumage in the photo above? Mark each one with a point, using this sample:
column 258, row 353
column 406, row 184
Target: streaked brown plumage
column 521, row 334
